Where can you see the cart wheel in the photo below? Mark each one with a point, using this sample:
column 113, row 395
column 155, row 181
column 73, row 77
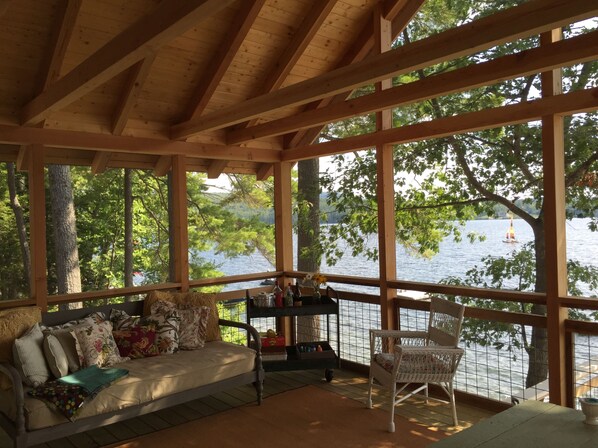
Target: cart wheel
column 329, row 374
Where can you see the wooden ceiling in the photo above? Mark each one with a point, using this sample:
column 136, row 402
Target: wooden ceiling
column 237, row 85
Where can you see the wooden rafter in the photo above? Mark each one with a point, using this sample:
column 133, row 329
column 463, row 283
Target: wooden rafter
column 57, row 138
column 570, row 103
column 264, row 171
column 527, row 19
column 223, row 57
column 137, row 76
column 562, row 53
column 167, row 21
column 216, row 168
column 23, row 158
column 100, row 162
column 4, row 4
column 299, row 43
column 400, row 14
column 162, row 166
column 61, row 36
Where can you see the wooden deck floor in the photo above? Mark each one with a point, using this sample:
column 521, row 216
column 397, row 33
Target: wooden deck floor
column 345, row 383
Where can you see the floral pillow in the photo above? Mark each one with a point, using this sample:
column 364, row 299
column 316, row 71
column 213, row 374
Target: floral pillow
column 96, row 345
column 136, row 342
column 194, row 322
column 166, row 327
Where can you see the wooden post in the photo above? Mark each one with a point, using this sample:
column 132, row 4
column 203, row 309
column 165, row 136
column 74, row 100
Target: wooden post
column 179, row 224
column 553, row 154
column 283, row 229
column 37, row 226
column 385, row 186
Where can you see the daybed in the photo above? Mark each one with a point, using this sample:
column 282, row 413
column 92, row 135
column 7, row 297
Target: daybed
column 152, row 383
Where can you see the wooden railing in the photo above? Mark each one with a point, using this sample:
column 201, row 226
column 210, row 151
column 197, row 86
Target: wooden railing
column 572, row 327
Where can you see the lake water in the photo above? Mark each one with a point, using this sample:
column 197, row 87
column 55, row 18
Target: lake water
column 484, row 371
column 454, row 258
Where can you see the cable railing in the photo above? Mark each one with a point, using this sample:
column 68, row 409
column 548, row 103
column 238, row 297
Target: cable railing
column 495, row 371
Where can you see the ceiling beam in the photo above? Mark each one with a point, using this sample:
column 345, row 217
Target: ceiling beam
column 23, row 158
column 137, row 76
column 169, row 20
column 100, row 162
column 532, row 17
column 61, row 36
column 567, row 104
column 225, row 54
column 163, row 166
column 303, row 36
column 216, row 168
column 264, row 171
column 58, row 138
column 558, row 54
column 399, row 23
column 4, row 4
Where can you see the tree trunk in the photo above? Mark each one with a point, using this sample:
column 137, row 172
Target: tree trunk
column 128, row 193
column 308, row 233
column 20, row 220
column 68, row 274
column 537, row 350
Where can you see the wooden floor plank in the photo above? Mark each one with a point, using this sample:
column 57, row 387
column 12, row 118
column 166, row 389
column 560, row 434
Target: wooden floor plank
column 345, row 383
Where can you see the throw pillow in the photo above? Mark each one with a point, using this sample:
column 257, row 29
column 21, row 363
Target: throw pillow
column 166, row 327
column 190, row 298
column 14, row 322
column 194, row 321
column 97, row 345
column 68, row 341
column 29, row 357
column 136, row 342
column 55, row 356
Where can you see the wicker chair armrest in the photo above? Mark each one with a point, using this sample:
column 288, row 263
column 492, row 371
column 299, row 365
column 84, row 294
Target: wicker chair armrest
column 429, row 350
column 18, row 394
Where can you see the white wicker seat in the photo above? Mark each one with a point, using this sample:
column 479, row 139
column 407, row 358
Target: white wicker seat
column 405, row 357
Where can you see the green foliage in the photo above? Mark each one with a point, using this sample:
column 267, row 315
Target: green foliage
column 514, row 272
column 13, row 279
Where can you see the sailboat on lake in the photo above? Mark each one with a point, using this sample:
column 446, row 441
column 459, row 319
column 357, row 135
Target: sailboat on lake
column 510, row 237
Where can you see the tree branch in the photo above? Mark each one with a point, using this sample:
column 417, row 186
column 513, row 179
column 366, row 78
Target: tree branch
column 445, row 204
column 578, row 173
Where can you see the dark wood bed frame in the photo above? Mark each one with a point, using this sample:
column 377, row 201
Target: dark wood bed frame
column 24, row 438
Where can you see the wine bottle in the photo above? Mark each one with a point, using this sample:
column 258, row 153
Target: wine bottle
column 277, row 295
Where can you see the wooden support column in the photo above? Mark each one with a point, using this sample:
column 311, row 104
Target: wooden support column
column 283, row 229
column 385, row 185
column 553, row 150
column 179, row 222
column 37, row 226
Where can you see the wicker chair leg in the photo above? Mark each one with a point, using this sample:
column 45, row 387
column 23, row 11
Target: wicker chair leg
column 391, row 423
column 426, row 394
column 370, row 385
column 452, row 398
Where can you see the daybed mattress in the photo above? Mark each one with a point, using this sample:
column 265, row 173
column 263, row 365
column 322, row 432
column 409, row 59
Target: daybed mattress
column 148, row 379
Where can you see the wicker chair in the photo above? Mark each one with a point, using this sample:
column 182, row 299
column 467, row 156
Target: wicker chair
column 406, row 357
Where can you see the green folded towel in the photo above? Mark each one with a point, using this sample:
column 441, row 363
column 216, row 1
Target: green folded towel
column 93, row 379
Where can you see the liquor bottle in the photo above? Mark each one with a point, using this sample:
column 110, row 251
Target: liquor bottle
column 277, row 295
column 288, row 296
column 297, row 295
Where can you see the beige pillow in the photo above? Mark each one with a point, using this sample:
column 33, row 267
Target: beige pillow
column 55, row 356
column 67, row 340
column 29, row 357
column 193, row 299
column 14, row 322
